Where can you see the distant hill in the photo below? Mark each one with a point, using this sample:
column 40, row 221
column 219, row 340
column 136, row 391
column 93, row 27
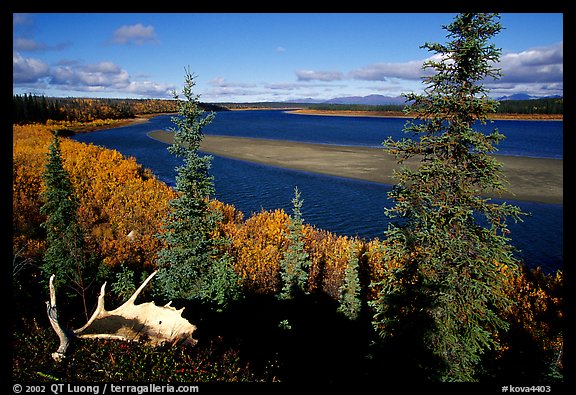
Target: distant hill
column 525, row 96
column 378, row 100
column 520, row 103
column 373, row 100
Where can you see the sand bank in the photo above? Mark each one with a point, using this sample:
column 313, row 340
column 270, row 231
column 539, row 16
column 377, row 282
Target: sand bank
column 531, row 179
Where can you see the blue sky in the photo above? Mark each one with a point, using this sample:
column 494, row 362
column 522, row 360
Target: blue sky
column 263, row 57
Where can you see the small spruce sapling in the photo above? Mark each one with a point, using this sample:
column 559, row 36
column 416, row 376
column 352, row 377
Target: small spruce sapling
column 350, row 302
column 295, row 263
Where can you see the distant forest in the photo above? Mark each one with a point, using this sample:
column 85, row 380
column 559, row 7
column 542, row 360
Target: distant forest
column 39, row 109
column 30, row 108
column 533, row 106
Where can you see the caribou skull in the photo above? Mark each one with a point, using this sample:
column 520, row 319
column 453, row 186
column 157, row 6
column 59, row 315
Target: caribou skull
column 130, row 321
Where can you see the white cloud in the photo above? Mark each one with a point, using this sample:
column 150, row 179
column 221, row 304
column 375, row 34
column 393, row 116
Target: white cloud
column 311, row 75
column 134, row 34
column 73, row 76
column 383, row 71
column 222, row 83
column 410, row 70
column 150, row 89
column 27, row 45
column 535, row 65
column 27, row 70
column 99, row 76
column 225, row 91
column 537, row 71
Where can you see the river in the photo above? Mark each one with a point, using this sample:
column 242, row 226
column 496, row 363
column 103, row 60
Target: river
column 340, row 205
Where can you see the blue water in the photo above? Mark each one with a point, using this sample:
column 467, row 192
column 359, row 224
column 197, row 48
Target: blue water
column 523, row 138
column 336, row 204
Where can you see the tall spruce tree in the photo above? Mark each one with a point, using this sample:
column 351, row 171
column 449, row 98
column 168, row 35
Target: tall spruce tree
column 449, row 243
column 65, row 256
column 192, row 264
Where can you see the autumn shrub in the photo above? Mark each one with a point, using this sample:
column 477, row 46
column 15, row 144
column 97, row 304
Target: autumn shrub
column 121, row 208
column 29, row 153
column 328, row 260
column 121, row 203
column 257, row 247
column 535, row 340
column 230, row 219
column 537, row 296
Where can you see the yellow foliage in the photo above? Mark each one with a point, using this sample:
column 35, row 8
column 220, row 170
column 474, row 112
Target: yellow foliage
column 538, row 305
column 231, row 219
column 328, row 260
column 30, row 148
column 117, row 196
column 122, row 206
column 257, row 247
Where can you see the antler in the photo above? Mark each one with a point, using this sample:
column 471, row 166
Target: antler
column 148, row 321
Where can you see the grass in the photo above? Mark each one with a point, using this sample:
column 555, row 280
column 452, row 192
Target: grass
column 260, row 339
column 112, row 360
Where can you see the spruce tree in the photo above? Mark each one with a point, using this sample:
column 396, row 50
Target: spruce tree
column 448, row 247
column 192, row 266
column 294, row 265
column 65, row 255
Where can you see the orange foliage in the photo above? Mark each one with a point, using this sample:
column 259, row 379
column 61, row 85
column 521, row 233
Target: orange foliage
column 328, row 260
column 231, row 219
column 30, row 148
column 117, row 196
column 376, row 265
column 122, row 206
column 257, row 247
column 538, row 306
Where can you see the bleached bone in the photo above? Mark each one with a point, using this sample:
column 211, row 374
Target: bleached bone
column 156, row 324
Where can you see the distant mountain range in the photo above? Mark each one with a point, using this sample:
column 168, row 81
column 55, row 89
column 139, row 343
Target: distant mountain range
column 383, row 100
column 370, row 100
column 524, row 96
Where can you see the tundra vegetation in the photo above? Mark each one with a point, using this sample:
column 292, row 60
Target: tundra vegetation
column 441, row 298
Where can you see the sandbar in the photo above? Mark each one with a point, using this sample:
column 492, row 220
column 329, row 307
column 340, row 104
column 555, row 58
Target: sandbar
column 530, row 179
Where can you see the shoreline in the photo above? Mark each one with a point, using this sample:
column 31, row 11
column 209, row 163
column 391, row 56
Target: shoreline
column 400, row 114
column 142, row 118
column 118, row 123
column 529, row 179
